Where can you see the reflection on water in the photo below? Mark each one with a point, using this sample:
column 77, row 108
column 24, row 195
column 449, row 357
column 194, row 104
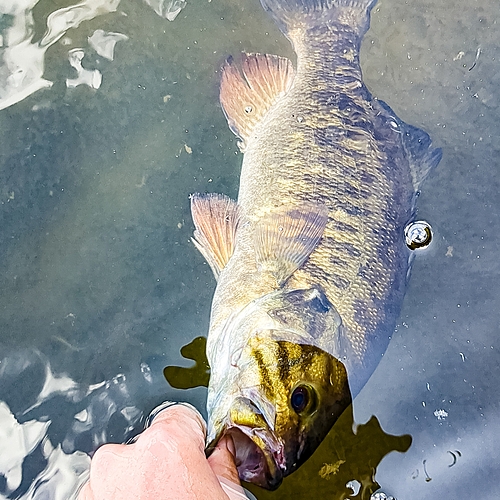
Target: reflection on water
column 100, row 286
column 23, row 57
column 104, row 43
column 169, row 9
column 49, row 436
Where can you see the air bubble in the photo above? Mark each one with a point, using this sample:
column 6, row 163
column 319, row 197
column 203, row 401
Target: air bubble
column 380, row 495
column 248, row 109
column 418, row 235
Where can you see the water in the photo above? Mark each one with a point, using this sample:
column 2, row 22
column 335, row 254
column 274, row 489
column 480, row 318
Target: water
column 101, row 287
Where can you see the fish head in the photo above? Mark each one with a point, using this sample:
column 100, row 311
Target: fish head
column 282, row 398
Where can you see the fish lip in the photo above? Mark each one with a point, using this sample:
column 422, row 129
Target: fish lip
column 259, row 455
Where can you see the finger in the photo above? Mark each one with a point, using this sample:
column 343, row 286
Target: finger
column 222, row 460
column 170, row 407
column 176, row 437
column 108, row 470
column 182, row 421
column 166, row 461
column 86, row 492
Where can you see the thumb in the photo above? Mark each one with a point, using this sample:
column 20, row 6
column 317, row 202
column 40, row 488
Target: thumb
column 222, row 460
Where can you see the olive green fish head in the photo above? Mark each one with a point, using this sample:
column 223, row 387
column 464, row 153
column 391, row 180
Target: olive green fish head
column 283, row 398
column 309, row 391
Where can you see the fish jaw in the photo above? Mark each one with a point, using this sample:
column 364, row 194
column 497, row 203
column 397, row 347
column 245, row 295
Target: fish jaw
column 259, row 456
column 259, row 452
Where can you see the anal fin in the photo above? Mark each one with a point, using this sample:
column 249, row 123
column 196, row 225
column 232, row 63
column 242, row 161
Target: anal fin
column 216, row 218
column 246, row 94
column 285, row 238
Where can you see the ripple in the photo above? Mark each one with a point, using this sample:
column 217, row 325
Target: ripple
column 46, row 448
column 22, row 57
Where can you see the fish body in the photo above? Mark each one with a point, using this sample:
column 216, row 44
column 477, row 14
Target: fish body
column 311, row 261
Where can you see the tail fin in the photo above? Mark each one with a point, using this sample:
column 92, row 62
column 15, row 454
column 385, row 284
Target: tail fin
column 310, row 13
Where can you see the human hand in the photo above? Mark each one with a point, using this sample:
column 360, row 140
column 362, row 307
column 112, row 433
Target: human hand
column 167, row 461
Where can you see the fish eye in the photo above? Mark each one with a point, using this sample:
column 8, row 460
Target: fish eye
column 302, row 398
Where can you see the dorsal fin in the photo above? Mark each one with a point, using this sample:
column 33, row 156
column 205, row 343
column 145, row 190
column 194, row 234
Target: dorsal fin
column 285, row 238
column 417, row 144
column 247, row 94
column 422, row 156
column 216, row 218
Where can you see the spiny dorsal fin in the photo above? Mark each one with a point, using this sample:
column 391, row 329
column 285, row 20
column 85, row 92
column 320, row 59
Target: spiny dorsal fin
column 285, row 238
column 216, row 219
column 247, row 94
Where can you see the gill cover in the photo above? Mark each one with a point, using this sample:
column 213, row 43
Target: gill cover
column 303, row 316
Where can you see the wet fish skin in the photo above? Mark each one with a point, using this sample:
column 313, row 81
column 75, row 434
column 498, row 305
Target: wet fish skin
column 328, row 140
column 313, row 141
column 255, row 373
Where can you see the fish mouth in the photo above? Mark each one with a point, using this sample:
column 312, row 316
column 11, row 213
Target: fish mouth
column 259, row 456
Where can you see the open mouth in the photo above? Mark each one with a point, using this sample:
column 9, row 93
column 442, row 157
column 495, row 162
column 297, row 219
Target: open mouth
column 259, row 456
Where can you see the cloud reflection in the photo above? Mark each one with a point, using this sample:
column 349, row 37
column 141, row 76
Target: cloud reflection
column 22, row 66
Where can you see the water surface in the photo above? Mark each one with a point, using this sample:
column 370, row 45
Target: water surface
column 101, row 287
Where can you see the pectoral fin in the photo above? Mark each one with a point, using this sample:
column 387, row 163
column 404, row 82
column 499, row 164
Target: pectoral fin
column 216, row 218
column 247, row 94
column 285, row 238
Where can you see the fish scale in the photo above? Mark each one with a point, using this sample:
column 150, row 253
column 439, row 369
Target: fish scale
column 278, row 150
column 311, row 262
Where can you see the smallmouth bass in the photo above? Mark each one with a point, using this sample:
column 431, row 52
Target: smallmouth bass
column 311, row 261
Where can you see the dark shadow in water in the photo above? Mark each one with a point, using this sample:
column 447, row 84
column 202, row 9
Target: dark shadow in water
column 195, row 376
column 343, row 456
column 349, row 452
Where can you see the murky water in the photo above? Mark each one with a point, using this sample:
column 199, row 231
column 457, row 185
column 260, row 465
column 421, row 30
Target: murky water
column 100, row 286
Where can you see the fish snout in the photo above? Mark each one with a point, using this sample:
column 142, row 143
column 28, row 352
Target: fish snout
column 259, row 454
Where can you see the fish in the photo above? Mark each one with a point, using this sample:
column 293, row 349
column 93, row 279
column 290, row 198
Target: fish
column 310, row 261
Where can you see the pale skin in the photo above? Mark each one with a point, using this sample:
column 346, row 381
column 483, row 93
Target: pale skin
column 167, row 461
